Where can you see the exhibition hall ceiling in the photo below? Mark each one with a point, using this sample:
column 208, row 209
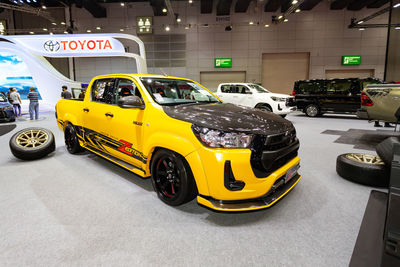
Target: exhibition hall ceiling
column 223, row 7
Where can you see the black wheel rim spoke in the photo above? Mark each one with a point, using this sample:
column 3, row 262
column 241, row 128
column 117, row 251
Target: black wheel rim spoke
column 167, row 178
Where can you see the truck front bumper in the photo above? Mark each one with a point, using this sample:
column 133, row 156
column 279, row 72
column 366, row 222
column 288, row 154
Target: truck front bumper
column 265, row 201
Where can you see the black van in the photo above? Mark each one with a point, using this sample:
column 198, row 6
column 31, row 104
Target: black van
column 316, row 97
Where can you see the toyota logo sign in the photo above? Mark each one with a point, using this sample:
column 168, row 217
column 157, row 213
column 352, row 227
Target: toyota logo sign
column 51, row 46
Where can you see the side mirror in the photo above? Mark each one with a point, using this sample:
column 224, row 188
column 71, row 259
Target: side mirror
column 131, row 102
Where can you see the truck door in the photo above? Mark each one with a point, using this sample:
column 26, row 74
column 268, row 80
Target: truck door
column 126, row 124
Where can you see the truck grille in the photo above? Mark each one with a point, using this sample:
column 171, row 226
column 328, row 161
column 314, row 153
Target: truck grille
column 269, row 153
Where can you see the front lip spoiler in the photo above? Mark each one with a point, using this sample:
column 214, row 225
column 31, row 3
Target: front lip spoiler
column 262, row 202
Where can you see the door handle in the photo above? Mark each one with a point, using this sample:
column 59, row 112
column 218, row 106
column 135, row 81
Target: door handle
column 86, row 110
column 108, row 114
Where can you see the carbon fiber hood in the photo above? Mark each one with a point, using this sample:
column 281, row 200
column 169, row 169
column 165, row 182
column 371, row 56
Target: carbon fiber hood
column 230, row 118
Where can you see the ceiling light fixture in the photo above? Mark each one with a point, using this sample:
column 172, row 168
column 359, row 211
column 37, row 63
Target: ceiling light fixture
column 186, row 27
column 121, row 30
column 298, row 10
column 51, row 33
column 31, row 32
column 122, row 4
column 164, row 10
column 280, row 17
column 167, row 28
column 45, row 29
column 65, row 32
column 62, row 23
column 294, row 2
column 44, row 7
column 396, row 5
column 361, row 29
column 266, row 25
column 251, row 22
column 98, row 28
column 88, row 30
column 190, row 1
column 53, row 23
column 285, row 20
column 361, row 21
column 178, row 19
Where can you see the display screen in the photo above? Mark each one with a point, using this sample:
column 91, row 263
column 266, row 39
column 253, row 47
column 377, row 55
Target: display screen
column 14, row 73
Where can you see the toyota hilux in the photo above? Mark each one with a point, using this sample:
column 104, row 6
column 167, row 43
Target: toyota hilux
column 231, row 158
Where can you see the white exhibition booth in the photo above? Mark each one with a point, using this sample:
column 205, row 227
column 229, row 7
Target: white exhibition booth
column 32, row 50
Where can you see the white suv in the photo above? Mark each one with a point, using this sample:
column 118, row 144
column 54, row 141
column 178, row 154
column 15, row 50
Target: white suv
column 255, row 96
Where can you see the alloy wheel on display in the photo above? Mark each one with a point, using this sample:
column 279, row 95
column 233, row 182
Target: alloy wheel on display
column 367, row 159
column 32, row 138
column 167, row 178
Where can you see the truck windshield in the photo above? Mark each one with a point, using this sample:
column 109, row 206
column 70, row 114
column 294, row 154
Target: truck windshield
column 259, row 88
column 175, row 92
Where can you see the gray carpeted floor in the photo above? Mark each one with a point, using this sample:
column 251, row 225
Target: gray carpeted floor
column 81, row 210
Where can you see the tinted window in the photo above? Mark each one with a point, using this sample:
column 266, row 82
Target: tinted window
column 103, row 91
column 226, row 88
column 2, row 98
column 311, row 87
column 338, row 87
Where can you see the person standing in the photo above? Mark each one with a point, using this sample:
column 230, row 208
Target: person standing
column 65, row 94
column 10, row 90
column 34, row 103
column 16, row 102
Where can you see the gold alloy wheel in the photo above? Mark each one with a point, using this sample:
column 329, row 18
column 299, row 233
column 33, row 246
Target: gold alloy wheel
column 32, row 138
column 364, row 158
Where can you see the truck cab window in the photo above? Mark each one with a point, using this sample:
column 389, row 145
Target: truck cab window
column 124, row 88
column 103, row 91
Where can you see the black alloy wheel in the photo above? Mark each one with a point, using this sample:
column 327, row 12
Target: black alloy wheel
column 71, row 140
column 172, row 178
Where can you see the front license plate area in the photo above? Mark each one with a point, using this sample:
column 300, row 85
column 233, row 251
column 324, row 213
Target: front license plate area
column 291, row 173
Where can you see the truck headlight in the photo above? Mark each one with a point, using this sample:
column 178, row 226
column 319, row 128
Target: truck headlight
column 278, row 99
column 217, row 138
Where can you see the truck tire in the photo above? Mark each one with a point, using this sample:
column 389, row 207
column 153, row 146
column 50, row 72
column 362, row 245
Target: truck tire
column 264, row 107
column 172, row 178
column 385, row 149
column 32, row 143
column 363, row 169
column 312, row 110
column 71, row 139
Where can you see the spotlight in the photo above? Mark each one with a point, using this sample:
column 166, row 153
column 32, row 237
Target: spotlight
column 280, row 17
column 44, row 7
column 190, row 1
column 228, row 28
column 178, row 19
column 360, row 22
column 396, row 5
column 294, row 2
column 164, row 10
column 98, row 28
column 285, row 20
column 53, row 23
column 251, row 22
column 266, row 25
column 167, row 28
column 122, row 4
column 298, row 10
column 88, row 30
column 62, row 23
column 45, row 29
column 361, row 29
column 121, row 30
column 31, row 32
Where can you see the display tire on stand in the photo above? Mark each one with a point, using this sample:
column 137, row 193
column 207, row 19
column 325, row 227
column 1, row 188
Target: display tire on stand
column 71, row 139
column 312, row 110
column 385, row 149
column 172, row 178
column 32, row 143
column 363, row 169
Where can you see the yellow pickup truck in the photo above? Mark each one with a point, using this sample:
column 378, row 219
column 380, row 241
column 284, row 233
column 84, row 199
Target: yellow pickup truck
column 175, row 131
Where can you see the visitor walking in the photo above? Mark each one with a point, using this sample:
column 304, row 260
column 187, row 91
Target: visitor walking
column 16, row 102
column 33, row 104
column 65, row 94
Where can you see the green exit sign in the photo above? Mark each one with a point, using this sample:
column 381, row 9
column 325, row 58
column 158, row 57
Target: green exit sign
column 223, row 63
column 351, row 60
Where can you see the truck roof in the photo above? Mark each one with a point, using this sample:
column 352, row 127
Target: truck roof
column 137, row 75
